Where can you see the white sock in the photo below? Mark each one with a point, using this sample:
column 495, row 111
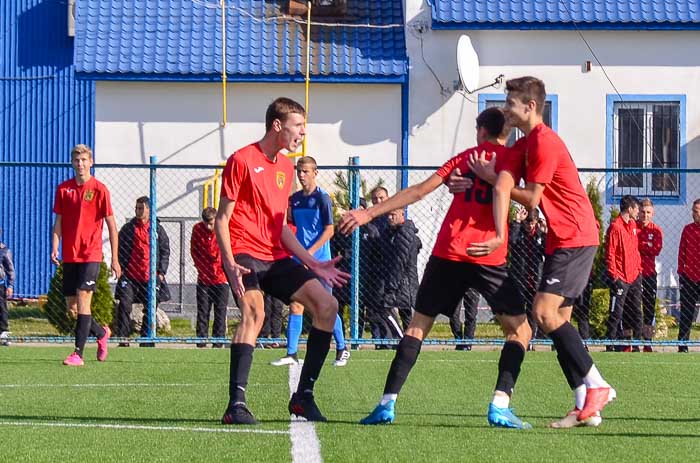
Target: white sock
column 580, row 396
column 501, row 400
column 386, row 398
column 593, row 379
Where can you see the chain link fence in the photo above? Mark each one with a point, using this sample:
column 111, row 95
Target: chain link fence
column 386, row 259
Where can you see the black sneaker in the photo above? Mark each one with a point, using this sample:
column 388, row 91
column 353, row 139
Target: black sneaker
column 304, row 406
column 238, row 413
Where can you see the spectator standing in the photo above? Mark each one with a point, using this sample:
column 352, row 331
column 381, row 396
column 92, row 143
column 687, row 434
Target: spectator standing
column 526, row 253
column 272, row 326
column 624, row 266
column 82, row 205
column 400, row 246
column 466, row 329
column 650, row 243
column 689, row 274
column 134, row 242
column 212, row 288
column 7, row 283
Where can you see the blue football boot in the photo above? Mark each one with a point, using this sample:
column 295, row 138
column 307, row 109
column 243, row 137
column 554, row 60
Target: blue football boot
column 505, row 418
column 382, row 414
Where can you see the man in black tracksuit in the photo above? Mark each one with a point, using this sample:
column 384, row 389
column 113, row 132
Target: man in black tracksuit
column 7, row 282
column 134, row 239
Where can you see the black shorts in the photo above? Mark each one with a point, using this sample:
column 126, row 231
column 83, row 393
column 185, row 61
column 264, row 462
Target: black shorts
column 567, row 271
column 280, row 278
column 79, row 276
column 445, row 282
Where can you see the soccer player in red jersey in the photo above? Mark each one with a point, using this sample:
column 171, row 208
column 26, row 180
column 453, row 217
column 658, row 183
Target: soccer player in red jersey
column 689, row 275
column 451, row 270
column 255, row 243
column 82, row 205
column 553, row 184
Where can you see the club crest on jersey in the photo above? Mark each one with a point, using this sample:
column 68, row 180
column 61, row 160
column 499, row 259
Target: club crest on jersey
column 281, row 177
column 89, row 195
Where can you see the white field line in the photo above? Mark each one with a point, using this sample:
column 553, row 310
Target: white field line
column 305, row 445
column 138, row 427
column 108, row 385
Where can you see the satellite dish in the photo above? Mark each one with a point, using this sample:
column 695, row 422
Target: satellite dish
column 467, row 64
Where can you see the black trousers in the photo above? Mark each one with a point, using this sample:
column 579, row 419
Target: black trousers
column 131, row 292
column 470, row 302
column 208, row 297
column 384, row 322
column 690, row 296
column 581, row 311
column 649, row 299
column 625, row 309
column 4, row 316
column 272, row 326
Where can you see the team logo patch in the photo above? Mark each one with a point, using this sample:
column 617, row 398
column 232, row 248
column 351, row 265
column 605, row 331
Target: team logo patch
column 89, row 195
column 281, row 177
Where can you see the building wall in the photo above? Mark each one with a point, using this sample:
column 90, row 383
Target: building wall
column 44, row 111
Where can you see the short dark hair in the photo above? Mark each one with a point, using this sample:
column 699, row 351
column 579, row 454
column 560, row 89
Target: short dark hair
column 493, row 120
column 208, row 213
column 378, row 188
column 628, row 201
column 144, row 200
column 528, row 88
column 696, row 202
column 279, row 109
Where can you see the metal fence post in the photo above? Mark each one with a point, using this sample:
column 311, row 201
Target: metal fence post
column 153, row 251
column 354, row 186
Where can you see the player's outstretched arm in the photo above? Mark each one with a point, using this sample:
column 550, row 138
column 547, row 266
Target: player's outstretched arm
column 234, row 272
column 114, row 245
column 326, row 271
column 55, row 239
column 354, row 219
column 529, row 196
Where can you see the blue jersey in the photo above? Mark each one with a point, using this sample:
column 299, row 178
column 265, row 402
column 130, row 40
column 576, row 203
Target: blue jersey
column 311, row 214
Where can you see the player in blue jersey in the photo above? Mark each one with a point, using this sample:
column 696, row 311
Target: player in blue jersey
column 311, row 212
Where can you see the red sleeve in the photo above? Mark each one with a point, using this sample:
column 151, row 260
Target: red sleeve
column 540, row 166
column 57, row 203
column 234, row 174
column 449, row 166
column 612, row 254
column 682, row 246
column 196, row 249
column 658, row 241
column 105, row 206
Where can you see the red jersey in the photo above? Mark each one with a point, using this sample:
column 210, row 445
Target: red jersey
column 138, row 268
column 622, row 251
column 565, row 204
column 689, row 252
column 470, row 216
column 650, row 244
column 83, row 209
column 206, row 256
column 260, row 188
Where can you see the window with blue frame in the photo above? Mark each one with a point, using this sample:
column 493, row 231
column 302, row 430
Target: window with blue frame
column 498, row 100
column 646, row 132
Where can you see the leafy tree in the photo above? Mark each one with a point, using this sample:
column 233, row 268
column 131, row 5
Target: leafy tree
column 341, row 197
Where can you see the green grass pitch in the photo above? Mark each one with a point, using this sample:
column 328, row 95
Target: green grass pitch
column 164, row 405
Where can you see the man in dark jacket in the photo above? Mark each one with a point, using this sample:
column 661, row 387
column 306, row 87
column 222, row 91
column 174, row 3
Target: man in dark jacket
column 134, row 239
column 7, row 282
column 400, row 245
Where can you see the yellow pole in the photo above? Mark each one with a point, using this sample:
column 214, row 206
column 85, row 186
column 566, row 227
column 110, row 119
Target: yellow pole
column 308, row 67
column 223, row 58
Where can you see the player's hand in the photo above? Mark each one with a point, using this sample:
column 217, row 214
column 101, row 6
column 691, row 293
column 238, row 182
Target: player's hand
column 330, row 275
column 521, row 214
column 352, row 220
column 485, row 248
column 235, row 273
column 54, row 257
column 457, row 183
column 485, row 170
column 116, row 269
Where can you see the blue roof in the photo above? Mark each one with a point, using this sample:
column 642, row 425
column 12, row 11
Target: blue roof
column 181, row 40
column 566, row 14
